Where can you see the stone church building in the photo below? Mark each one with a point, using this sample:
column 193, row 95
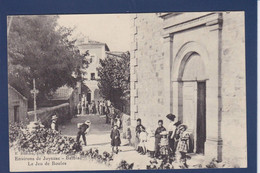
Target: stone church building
column 193, row 65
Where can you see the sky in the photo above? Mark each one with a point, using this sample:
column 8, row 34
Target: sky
column 112, row 29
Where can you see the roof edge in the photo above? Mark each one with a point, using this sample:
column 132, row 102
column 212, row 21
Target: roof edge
column 17, row 92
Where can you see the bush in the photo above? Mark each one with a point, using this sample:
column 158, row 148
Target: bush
column 41, row 141
column 93, row 154
column 123, row 165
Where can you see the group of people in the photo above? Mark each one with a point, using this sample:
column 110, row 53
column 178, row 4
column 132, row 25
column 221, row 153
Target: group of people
column 101, row 107
column 83, row 129
column 173, row 141
column 85, row 107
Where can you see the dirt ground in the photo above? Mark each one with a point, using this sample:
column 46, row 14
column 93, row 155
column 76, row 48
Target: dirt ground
column 99, row 138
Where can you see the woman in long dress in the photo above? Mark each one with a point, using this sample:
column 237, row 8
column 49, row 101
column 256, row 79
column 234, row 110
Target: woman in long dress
column 171, row 129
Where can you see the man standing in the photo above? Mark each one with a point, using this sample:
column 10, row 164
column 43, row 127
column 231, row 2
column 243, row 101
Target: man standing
column 83, row 130
column 54, row 124
column 109, row 110
column 87, row 107
column 101, row 107
column 113, row 117
column 82, row 105
column 158, row 137
column 79, row 107
column 98, row 105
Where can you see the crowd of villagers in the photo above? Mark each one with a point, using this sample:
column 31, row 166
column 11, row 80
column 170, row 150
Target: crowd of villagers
column 171, row 143
column 101, row 107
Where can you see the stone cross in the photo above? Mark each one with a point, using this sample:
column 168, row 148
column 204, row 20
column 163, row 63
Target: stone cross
column 34, row 91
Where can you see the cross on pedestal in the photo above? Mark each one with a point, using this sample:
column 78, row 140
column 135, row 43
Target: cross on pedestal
column 34, row 91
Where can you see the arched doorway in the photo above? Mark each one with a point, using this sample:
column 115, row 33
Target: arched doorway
column 192, row 98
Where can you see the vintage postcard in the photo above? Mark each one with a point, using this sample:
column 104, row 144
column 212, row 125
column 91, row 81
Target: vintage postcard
column 127, row 91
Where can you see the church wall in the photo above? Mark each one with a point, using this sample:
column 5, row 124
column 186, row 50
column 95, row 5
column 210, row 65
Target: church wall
column 147, row 70
column 225, row 97
column 233, row 88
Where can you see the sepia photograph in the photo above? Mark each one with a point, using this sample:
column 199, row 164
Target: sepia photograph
column 127, row 91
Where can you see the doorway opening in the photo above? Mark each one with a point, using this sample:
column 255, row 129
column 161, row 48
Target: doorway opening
column 192, row 100
column 201, row 117
column 16, row 114
column 89, row 97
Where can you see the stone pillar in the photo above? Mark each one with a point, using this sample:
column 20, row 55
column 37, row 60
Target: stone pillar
column 175, row 91
column 213, row 146
column 133, row 80
column 168, row 59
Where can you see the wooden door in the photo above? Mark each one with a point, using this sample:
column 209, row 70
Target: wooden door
column 201, row 117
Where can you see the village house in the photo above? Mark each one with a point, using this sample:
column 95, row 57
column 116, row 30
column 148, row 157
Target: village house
column 97, row 51
column 17, row 106
column 193, row 65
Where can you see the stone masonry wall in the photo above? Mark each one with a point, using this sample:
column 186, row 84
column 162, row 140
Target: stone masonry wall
column 233, row 88
column 147, row 70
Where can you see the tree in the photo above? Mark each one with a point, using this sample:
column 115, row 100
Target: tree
column 39, row 48
column 114, row 82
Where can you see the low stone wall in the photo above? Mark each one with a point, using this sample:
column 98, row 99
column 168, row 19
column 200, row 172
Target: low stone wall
column 45, row 114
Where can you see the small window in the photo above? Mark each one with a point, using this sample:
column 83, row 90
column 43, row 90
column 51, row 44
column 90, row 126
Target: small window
column 92, row 76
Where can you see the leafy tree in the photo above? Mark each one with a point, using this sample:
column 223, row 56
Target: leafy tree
column 114, row 82
column 39, row 48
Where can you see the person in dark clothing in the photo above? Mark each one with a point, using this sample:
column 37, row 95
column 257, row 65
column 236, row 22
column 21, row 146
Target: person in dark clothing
column 83, row 129
column 176, row 136
column 115, row 139
column 158, row 137
column 138, row 130
column 171, row 129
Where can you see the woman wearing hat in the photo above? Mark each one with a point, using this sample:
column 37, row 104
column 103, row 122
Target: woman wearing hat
column 171, row 129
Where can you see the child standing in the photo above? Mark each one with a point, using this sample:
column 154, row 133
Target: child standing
column 158, row 137
column 115, row 139
column 151, row 144
column 138, row 130
column 118, row 121
column 143, row 140
column 183, row 145
column 164, row 145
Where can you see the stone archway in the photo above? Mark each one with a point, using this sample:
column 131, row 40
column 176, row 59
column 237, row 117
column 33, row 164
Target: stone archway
column 191, row 75
column 183, row 55
column 192, row 83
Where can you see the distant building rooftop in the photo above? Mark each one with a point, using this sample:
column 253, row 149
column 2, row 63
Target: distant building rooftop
column 87, row 41
column 17, row 92
column 115, row 53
